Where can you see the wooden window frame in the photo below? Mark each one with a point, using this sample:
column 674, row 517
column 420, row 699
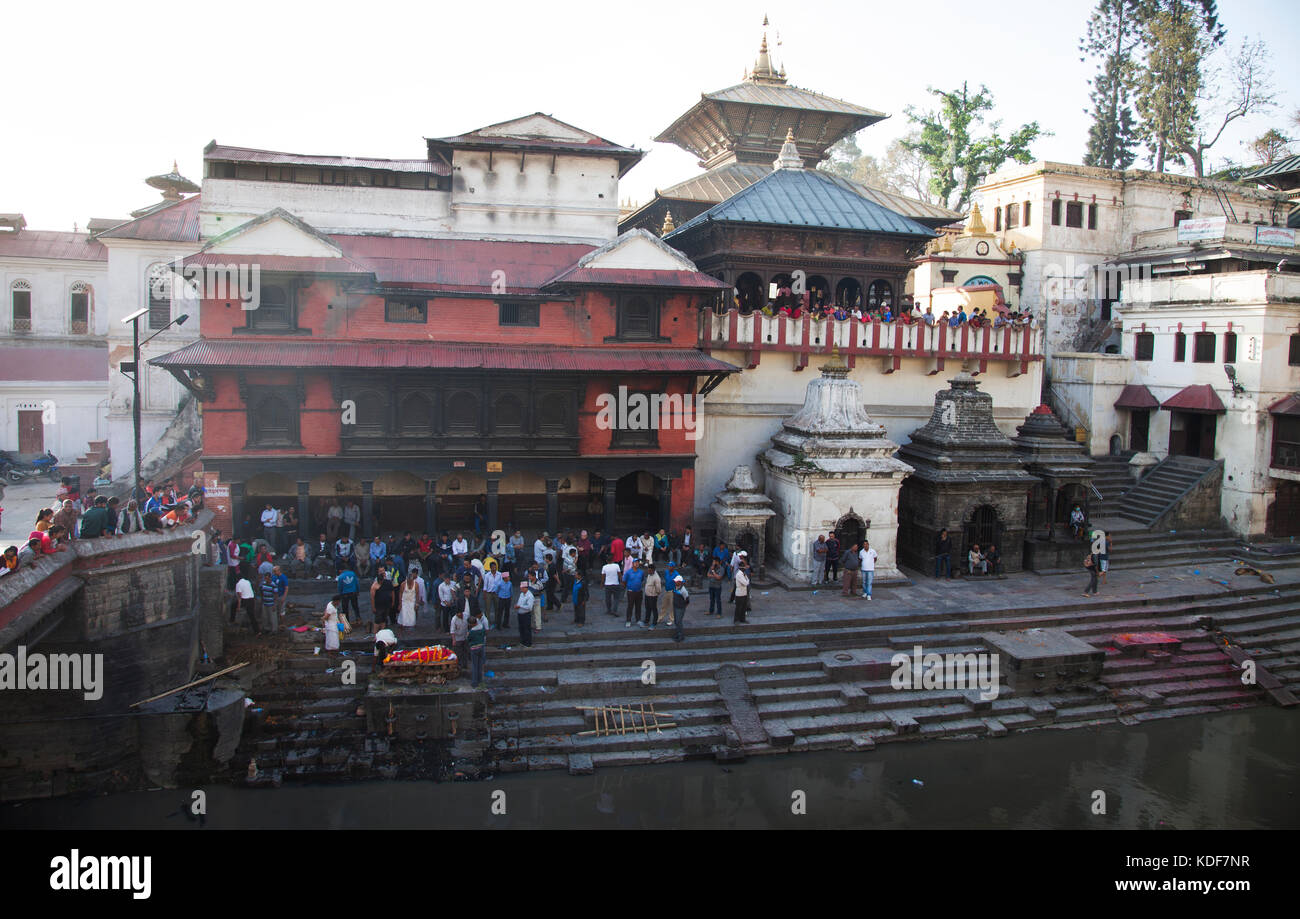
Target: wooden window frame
column 1198, row 340
column 1074, row 215
column 1230, row 347
column 1144, row 346
column 1056, row 212
column 406, row 303
column 1180, row 347
column 255, row 397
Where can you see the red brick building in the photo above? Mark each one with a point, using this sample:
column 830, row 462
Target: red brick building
column 421, row 377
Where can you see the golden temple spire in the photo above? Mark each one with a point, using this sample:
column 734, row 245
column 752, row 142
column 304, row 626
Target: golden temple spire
column 668, row 226
column 975, row 224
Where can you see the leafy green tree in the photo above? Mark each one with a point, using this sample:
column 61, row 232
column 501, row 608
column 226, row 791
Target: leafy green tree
column 1177, row 35
column 958, row 160
column 1114, row 35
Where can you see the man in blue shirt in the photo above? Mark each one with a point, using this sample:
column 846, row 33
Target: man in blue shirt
column 635, row 584
column 348, row 591
column 504, row 592
column 281, row 582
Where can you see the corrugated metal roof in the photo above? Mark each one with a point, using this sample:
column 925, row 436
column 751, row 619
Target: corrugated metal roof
column 1136, row 396
column 722, row 182
column 462, row 264
column 217, row 151
column 405, row 355
column 807, row 198
column 177, row 222
column 641, row 277
column 1198, row 398
column 52, row 244
column 786, row 96
column 294, row 263
column 1286, row 165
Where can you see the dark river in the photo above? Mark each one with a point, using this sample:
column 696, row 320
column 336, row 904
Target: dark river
column 1235, row 770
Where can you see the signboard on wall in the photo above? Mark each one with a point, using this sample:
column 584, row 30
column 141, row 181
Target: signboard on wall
column 1202, row 228
column 1275, row 236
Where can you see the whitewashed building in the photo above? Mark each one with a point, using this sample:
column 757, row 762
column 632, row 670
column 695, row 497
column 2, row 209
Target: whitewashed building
column 53, row 325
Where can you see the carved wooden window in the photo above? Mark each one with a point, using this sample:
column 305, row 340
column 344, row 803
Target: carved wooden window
column 272, row 418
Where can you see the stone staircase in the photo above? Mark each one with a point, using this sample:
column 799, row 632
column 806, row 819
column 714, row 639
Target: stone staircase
column 308, row 728
column 88, row 465
column 1160, row 489
column 792, row 674
column 1111, row 477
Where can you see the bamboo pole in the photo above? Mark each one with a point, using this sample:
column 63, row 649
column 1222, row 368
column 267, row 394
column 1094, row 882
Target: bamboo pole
column 590, row 733
column 170, row 692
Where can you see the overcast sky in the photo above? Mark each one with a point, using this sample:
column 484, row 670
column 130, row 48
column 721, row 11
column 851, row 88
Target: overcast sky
column 100, row 95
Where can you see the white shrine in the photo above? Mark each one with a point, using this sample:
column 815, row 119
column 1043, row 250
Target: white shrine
column 831, row 468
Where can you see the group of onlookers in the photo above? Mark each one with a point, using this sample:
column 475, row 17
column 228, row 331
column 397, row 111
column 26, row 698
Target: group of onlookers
column 97, row 516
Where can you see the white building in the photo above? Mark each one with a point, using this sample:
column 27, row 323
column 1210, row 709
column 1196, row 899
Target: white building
column 1066, row 219
column 1210, row 365
column 53, row 367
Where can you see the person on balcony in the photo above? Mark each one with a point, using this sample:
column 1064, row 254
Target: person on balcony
column 928, row 317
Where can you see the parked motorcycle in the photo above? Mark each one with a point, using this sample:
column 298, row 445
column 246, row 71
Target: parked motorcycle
column 46, row 466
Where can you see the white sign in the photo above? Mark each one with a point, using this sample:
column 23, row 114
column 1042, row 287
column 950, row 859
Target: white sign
column 217, row 491
column 1275, row 236
column 1202, row 228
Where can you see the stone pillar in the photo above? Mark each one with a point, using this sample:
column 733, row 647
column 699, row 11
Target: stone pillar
column 611, row 491
column 664, row 487
column 367, row 524
column 236, row 511
column 306, row 529
column 431, row 507
column 1051, row 512
column 552, row 505
column 492, row 487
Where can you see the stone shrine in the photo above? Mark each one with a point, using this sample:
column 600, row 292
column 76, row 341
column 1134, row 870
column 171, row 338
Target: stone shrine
column 968, row 479
column 742, row 512
column 831, row 468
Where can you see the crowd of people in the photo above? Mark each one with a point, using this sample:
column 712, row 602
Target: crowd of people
column 814, row 304
column 96, row 516
column 467, row 585
column 839, row 560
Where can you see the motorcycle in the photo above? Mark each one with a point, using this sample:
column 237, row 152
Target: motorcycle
column 47, row 466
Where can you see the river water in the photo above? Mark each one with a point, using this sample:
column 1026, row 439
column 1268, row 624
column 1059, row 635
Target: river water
column 1234, row 770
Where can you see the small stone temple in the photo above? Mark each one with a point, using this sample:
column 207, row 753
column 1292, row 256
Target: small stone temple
column 741, row 512
column 831, row 468
column 968, row 479
column 1064, row 471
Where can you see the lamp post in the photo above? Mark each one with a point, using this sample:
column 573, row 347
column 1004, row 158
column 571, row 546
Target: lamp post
column 134, row 319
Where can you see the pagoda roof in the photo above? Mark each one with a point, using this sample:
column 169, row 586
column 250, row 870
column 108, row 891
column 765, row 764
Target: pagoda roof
column 807, row 198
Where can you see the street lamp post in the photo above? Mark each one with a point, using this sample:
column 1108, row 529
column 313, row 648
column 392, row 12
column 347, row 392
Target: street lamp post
column 134, row 319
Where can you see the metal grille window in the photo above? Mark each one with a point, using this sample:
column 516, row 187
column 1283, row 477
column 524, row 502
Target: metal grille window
column 1056, row 212
column 406, row 310
column 160, row 296
column 1180, row 347
column 1074, row 214
column 519, row 313
column 1230, row 348
column 80, row 308
column 1145, row 346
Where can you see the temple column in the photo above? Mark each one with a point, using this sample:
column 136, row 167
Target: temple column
column 431, row 507
column 304, row 512
column 664, row 487
column 611, row 492
column 552, row 505
column 367, row 524
column 492, row 488
column 1051, row 513
column 236, row 510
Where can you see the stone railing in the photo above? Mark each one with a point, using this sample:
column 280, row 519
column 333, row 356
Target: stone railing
column 892, row 341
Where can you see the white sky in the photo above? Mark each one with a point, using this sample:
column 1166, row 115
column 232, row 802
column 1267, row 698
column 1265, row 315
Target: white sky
column 100, row 95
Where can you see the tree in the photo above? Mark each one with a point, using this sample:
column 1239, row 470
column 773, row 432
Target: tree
column 900, row 171
column 1250, row 92
column 1270, row 146
column 957, row 160
column 1114, row 34
column 1177, row 35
